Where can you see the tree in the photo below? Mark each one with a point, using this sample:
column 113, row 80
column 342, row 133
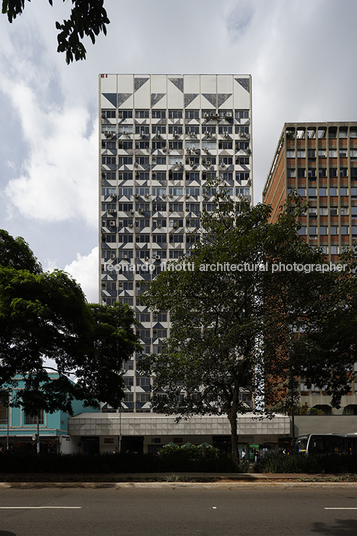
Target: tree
column 88, row 17
column 16, row 253
column 231, row 319
column 44, row 316
column 114, row 342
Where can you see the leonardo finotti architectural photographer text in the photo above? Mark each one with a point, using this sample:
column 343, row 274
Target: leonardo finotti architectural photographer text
column 225, row 267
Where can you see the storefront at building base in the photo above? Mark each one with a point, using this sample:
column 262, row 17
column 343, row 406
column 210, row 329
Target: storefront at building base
column 143, row 433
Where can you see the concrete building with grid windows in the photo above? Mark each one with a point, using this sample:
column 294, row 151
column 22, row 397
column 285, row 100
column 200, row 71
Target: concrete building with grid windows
column 319, row 161
column 162, row 137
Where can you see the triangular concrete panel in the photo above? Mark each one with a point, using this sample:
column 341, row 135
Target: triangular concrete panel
column 178, row 82
column 189, row 97
column 211, row 97
column 122, row 97
column 112, row 98
column 222, row 97
column 138, row 82
column 156, row 97
column 244, row 82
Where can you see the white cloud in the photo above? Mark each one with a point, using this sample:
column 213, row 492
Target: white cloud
column 58, row 176
column 85, row 271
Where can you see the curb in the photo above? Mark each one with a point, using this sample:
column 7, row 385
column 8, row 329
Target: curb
column 169, row 485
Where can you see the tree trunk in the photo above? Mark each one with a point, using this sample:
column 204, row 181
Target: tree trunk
column 232, row 416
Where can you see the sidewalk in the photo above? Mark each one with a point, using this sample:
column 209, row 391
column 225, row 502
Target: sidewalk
column 32, row 480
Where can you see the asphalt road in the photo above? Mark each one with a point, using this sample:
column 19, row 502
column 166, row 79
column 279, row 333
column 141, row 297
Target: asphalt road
column 259, row 510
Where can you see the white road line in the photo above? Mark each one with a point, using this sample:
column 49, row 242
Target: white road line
column 38, row 507
column 340, row 508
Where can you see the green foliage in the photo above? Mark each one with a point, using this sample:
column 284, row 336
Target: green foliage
column 88, row 18
column 311, row 464
column 21, row 462
column 232, row 327
column 45, row 316
column 16, row 253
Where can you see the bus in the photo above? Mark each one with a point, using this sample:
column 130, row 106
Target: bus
column 326, row 444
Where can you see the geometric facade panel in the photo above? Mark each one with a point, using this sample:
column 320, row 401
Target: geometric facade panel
column 111, row 97
column 178, row 82
column 138, row 82
column 244, row 82
column 122, row 97
column 189, row 97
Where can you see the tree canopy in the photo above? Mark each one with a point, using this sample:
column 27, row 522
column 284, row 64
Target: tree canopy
column 44, row 316
column 88, row 18
column 235, row 317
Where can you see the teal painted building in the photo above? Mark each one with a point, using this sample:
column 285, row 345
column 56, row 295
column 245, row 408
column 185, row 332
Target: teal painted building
column 19, row 429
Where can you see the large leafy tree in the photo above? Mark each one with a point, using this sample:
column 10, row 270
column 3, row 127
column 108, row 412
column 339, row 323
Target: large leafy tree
column 234, row 318
column 45, row 316
column 88, row 18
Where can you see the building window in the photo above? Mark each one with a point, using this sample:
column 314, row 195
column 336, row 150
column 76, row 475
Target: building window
column 302, row 231
column 125, row 129
column 291, row 173
column 158, row 129
column 109, row 114
column 241, row 114
column 322, row 153
column 142, row 114
column 323, row 192
column 175, row 114
column 290, row 153
column 334, row 250
column 333, row 191
column 32, row 419
column 192, row 114
column 312, row 192
column 241, row 160
column 344, row 230
column 301, row 172
column 158, row 114
column 175, row 129
column 333, row 230
column 302, row 191
column 343, row 191
column 323, row 230
column 142, row 129
column 333, row 172
column 225, row 129
column 300, row 153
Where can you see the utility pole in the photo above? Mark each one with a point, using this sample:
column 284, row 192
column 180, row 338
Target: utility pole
column 38, row 434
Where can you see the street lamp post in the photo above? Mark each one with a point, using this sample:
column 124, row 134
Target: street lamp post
column 120, row 438
column 8, row 422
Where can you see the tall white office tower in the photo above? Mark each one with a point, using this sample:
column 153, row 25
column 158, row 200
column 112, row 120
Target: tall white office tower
column 162, row 137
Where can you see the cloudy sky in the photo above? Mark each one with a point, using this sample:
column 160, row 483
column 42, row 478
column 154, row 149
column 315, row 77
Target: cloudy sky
column 300, row 53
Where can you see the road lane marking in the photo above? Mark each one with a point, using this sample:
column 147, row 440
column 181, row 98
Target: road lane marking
column 38, row 507
column 340, row 508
